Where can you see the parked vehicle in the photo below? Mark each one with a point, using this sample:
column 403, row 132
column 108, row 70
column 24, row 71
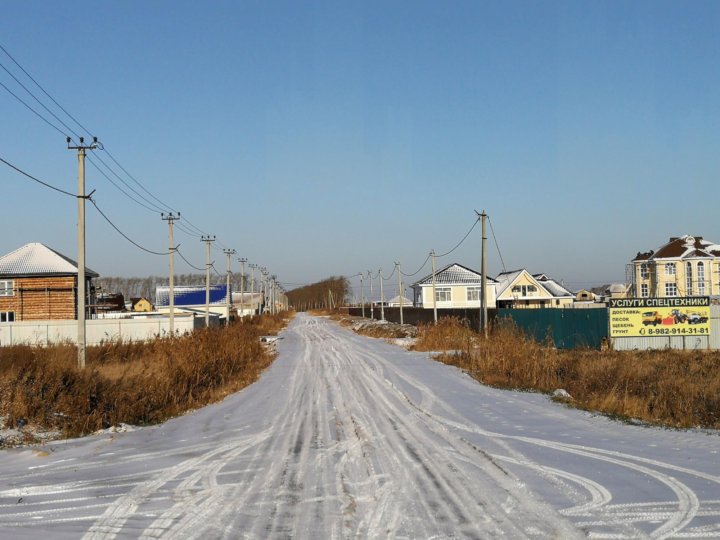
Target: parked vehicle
column 696, row 318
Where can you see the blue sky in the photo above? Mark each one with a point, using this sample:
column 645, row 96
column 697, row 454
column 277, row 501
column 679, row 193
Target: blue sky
column 326, row 138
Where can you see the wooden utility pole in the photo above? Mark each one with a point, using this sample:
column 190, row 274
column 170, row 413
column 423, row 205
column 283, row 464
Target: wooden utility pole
column 170, row 218
column 81, row 315
column 208, row 240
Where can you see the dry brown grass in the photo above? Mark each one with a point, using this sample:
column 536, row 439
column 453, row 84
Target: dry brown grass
column 669, row 387
column 134, row 383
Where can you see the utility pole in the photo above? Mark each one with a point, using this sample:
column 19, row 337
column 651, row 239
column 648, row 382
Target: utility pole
column 483, row 278
column 208, row 240
column 170, row 218
column 81, row 315
column 252, row 285
column 362, row 304
column 432, row 254
column 372, row 302
column 382, row 296
column 397, row 265
column 242, row 261
column 228, row 253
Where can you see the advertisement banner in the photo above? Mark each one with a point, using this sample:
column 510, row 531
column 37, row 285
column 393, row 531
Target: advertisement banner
column 648, row 317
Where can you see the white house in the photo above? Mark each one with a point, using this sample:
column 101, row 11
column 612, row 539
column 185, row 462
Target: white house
column 456, row 286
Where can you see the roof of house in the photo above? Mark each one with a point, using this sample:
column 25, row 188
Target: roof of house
column 553, row 287
column 36, row 259
column 453, row 274
column 682, row 247
column 396, row 300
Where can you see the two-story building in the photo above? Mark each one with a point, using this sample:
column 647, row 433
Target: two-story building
column 520, row 289
column 684, row 266
column 38, row 283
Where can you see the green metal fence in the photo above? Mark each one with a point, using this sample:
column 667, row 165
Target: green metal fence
column 568, row 328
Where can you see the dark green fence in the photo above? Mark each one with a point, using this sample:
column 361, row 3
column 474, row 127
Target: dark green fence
column 568, row 328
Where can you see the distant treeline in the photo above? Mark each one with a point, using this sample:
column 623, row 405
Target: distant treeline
column 136, row 287
column 329, row 293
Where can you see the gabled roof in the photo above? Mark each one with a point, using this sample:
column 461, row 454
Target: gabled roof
column 396, row 300
column 553, row 287
column 37, row 260
column 682, row 247
column 454, row 274
column 550, row 286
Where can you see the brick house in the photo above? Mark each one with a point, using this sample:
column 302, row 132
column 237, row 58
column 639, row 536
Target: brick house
column 38, row 283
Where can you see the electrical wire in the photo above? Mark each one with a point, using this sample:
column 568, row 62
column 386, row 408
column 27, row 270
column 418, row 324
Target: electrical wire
column 496, row 244
column 188, row 262
column 71, row 130
column 391, row 274
column 114, row 160
column 145, row 199
column 121, row 190
column 40, row 116
column 418, row 270
column 122, row 233
column 43, row 90
column 461, row 241
column 38, row 180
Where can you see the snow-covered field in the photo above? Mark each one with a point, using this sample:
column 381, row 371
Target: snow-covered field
column 347, row 436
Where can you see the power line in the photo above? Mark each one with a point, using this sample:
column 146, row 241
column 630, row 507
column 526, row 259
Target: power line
column 38, row 180
column 71, row 130
column 121, row 190
column 122, row 233
column 40, row 116
column 43, row 90
column 461, row 241
column 177, row 250
column 492, row 230
column 418, row 270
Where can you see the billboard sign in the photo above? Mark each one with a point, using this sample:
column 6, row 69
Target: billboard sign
column 650, row 317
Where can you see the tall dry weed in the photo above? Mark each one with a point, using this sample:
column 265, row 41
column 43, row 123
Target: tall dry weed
column 131, row 382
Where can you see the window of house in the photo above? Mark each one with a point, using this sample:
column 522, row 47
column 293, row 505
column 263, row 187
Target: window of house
column 644, row 271
column 671, row 289
column 6, row 287
column 644, row 291
column 669, row 269
column 701, row 278
column 442, row 294
column 7, row 316
column 688, row 279
column 473, row 294
column 523, row 290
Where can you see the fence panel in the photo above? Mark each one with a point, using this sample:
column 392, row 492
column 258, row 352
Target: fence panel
column 568, row 328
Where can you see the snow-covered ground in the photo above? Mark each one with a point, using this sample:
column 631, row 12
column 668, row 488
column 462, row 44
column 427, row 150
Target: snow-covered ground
column 348, row 436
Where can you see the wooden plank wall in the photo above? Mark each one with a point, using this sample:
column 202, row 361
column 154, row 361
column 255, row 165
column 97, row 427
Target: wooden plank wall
column 46, row 298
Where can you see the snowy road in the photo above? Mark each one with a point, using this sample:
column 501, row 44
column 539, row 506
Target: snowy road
column 346, row 436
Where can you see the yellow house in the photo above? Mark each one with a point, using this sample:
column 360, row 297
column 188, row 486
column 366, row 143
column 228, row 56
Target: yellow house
column 684, row 266
column 141, row 305
column 520, row 289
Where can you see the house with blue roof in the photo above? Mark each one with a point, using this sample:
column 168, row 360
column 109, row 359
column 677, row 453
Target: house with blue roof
column 456, row 287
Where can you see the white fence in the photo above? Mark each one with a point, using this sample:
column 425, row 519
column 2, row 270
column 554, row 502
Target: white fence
column 97, row 330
